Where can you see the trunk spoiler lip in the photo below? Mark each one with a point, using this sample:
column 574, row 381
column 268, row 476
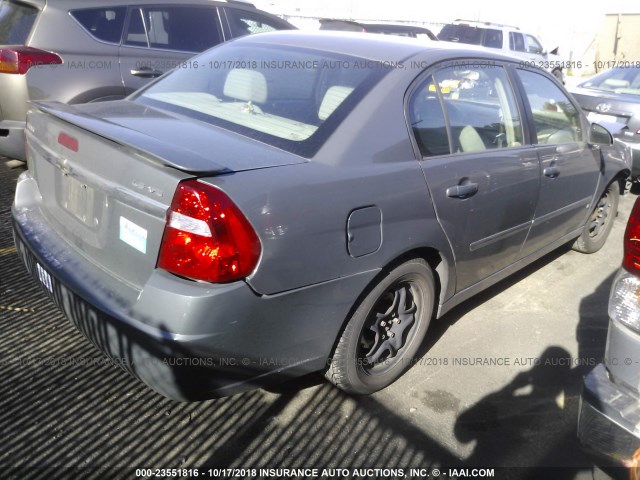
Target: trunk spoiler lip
column 164, row 152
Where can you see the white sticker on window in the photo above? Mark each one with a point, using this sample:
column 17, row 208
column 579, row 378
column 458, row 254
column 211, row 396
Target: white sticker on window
column 133, row 235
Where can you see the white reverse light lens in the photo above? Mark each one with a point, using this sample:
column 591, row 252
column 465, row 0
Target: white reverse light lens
column 188, row 224
column 624, row 302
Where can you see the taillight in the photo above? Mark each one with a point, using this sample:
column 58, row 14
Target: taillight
column 631, row 260
column 207, row 237
column 20, row 59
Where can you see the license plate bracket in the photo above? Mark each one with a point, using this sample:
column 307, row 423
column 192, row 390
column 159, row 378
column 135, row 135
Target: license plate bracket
column 78, row 199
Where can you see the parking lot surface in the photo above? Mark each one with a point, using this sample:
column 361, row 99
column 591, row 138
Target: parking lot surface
column 497, row 387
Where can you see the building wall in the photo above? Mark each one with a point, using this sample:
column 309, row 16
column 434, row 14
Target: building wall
column 619, row 40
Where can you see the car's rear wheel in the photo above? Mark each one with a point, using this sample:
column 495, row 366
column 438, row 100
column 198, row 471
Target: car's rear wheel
column 386, row 330
column 600, row 222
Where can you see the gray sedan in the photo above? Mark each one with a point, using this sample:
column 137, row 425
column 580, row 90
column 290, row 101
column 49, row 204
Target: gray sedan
column 290, row 203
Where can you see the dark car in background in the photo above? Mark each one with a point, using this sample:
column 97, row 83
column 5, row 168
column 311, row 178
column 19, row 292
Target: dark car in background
column 296, row 202
column 612, row 98
column 96, row 50
column 401, row 30
column 610, row 403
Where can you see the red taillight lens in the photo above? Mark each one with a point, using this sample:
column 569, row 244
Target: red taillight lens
column 631, row 260
column 207, row 237
column 19, row 59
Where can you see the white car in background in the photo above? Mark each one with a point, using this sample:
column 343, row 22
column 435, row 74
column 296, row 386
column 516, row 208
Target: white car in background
column 508, row 38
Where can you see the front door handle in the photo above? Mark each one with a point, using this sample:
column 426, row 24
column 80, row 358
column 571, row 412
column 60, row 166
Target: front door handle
column 462, row 191
column 146, row 72
column 551, row 172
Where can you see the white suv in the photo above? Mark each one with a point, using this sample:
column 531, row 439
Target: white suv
column 504, row 37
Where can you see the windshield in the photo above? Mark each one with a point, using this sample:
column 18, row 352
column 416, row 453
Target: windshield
column 16, row 21
column 287, row 97
column 617, row 80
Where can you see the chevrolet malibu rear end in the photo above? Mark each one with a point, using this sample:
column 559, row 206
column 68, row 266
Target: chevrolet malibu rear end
column 174, row 229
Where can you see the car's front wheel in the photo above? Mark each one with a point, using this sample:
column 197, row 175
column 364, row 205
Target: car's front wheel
column 382, row 337
column 600, row 222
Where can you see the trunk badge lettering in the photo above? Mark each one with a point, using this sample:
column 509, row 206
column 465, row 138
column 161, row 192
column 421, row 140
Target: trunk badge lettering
column 147, row 188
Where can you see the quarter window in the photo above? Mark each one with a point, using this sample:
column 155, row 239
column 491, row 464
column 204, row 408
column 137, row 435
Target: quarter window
column 555, row 118
column 492, row 38
column 105, row 24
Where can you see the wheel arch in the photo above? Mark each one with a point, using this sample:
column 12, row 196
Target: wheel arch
column 442, row 275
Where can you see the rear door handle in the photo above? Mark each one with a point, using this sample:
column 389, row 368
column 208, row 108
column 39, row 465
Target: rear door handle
column 551, row 172
column 462, row 191
column 146, row 72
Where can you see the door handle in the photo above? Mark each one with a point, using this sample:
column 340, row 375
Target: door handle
column 551, row 172
column 462, row 191
column 146, row 72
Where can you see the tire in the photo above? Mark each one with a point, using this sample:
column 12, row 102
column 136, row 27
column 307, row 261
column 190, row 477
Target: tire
column 383, row 335
column 600, row 222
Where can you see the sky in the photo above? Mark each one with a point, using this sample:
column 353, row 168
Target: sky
column 570, row 24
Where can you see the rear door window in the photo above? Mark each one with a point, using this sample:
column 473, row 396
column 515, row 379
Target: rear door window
column 427, row 120
column 185, row 29
column 105, row 24
column 480, row 107
column 16, row 22
column 516, row 42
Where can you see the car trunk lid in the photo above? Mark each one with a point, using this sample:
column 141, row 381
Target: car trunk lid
column 603, row 107
column 106, row 188
column 174, row 140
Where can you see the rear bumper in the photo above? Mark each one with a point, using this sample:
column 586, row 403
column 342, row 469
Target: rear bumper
column 12, row 139
column 188, row 340
column 609, row 421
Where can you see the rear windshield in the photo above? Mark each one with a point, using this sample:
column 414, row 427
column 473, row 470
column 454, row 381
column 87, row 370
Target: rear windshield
column 16, row 21
column 616, row 80
column 287, row 97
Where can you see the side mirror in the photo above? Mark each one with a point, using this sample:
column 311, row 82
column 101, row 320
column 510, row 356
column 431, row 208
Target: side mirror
column 598, row 135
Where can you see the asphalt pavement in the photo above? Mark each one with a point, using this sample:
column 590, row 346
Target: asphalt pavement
column 497, row 387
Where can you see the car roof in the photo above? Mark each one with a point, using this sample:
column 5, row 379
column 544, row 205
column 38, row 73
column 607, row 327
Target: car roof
column 481, row 24
column 75, row 4
column 373, row 47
